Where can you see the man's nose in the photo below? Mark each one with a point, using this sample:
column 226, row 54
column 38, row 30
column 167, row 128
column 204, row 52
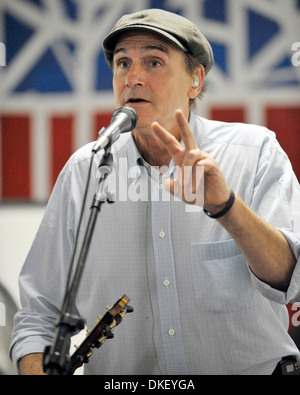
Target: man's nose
column 135, row 76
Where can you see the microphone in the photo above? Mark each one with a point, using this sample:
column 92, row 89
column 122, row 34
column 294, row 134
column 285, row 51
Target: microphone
column 123, row 120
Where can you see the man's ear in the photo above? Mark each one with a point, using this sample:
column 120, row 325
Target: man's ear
column 197, row 82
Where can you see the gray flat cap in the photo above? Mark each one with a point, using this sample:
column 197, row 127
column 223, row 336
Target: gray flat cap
column 175, row 28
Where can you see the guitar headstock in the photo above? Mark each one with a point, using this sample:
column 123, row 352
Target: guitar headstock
column 102, row 330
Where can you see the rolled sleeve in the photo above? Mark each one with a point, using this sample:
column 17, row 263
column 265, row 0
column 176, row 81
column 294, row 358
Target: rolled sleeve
column 276, row 200
column 32, row 345
column 292, row 294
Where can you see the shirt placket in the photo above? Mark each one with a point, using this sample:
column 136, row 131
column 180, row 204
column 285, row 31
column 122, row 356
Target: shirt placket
column 168, row 299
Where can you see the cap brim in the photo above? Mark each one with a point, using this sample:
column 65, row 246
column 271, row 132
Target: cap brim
column 110, row 41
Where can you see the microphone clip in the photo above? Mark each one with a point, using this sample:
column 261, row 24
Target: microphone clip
column 104, row 170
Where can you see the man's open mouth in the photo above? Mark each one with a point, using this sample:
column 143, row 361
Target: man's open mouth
column 137, row 100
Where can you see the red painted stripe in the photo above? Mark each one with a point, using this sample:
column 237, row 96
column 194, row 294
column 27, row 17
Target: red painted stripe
column 285, row 122
column 15, row 157
column 101, row 119
column 294, row 314
column 228, row 114
column 61, row 140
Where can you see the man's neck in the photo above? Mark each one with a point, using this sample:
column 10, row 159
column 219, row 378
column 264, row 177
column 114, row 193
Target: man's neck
column 152, row 150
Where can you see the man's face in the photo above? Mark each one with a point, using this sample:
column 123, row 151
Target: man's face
column 150, row 76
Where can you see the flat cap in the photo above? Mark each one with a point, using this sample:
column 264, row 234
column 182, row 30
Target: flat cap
column 175, row 28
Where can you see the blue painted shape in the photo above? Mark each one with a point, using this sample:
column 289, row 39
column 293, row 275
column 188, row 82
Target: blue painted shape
column 38, row 3
column 285, row 62
column 17, row 34
column 220, row 56
column 261, row 31
column 216, row 10
column 71, row 9
column 45, row 77
column 103, row 74
column 164, row 5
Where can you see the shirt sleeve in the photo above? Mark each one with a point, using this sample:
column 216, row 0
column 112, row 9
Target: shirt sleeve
column 276, row 198
column 42, row 280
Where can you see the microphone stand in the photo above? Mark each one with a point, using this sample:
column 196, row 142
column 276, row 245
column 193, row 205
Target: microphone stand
column 56, row 357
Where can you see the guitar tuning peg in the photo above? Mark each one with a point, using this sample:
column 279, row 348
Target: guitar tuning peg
column 87, row 332
column 110, row 335
column 107, row 308
column 100, row 316
column 107, row 332
column 129, row 309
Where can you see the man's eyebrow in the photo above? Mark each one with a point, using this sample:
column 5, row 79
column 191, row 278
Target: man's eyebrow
column 161, row 48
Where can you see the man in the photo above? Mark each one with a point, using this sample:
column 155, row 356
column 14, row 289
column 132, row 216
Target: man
column 209, row 287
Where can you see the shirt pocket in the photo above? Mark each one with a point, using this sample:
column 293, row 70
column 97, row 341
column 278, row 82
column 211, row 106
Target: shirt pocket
column 221, row 278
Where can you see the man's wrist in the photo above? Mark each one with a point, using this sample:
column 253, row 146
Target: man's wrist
column 31, row 364
column 224, row 210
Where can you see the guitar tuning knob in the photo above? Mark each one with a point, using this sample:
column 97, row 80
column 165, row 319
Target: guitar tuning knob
column 107, row 332
column 87, row 332
column 99, row 319
column 129, row 309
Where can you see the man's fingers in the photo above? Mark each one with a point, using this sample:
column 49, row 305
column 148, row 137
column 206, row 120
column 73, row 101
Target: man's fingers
column 185, row 130
column 169, row 185
column 192, row 157
column 171, row 143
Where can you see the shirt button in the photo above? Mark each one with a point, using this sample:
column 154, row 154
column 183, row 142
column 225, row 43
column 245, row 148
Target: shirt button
column 166, row 282
column 171, row 332
column 162, row 234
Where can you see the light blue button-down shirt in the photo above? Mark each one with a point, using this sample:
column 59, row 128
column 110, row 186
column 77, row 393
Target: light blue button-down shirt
column 198, row 307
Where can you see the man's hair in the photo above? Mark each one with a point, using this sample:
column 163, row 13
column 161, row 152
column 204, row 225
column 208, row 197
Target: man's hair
column 191, row 64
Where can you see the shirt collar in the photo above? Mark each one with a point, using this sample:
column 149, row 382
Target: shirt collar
column 137, row 162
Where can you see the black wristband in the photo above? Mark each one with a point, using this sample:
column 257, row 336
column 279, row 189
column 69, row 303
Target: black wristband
column 225, row 210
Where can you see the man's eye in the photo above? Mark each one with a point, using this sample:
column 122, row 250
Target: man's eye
column 155, row 63
column 123, row 64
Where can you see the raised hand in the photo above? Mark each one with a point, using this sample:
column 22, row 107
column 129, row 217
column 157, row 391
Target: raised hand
column 192, row 165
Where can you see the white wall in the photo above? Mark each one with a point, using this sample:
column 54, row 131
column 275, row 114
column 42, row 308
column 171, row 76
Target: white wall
column 18, row 225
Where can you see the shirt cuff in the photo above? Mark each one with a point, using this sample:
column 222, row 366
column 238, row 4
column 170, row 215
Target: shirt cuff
column 292, row 294
column 29, row 346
